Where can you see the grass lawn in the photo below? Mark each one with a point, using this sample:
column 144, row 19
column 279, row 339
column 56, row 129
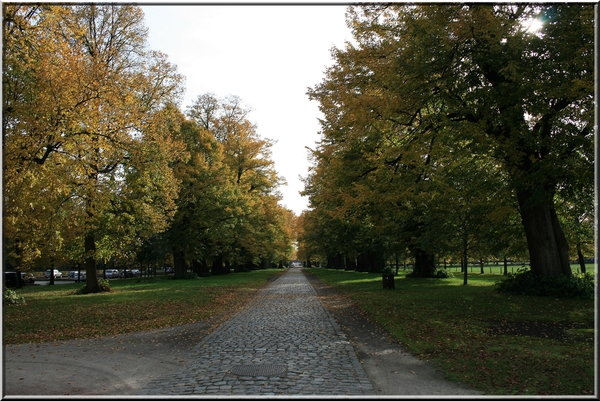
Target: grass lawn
column 501, row 344
column 471, row 332
column 55, row 312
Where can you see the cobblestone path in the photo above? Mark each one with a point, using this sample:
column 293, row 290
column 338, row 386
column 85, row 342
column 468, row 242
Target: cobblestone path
column 283, row 343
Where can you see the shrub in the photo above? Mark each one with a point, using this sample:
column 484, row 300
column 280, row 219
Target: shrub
column 443, row 273
column 526, row 282
column 102, row 283
column 186, row 276
column 388, row 271
column 12, row 298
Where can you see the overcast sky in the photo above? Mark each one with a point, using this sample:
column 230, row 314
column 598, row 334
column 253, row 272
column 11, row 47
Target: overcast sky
column 268, row 55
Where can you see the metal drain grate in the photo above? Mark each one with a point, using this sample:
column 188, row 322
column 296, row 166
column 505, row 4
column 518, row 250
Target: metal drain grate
column 258, row 370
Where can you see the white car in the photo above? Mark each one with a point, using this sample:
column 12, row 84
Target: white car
column 57, row 274
column 112, row 273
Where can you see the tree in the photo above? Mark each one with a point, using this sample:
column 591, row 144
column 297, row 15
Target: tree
column 85, row 99
column 473, row 202
column 576, row 214
column 206, row 203
column 417, row 72
column 228, row 208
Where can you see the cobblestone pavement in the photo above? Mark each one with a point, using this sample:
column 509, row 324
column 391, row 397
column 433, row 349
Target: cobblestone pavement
column 284, row 343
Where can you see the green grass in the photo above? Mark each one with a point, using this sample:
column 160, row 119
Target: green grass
column 445, row 322
column 56, row 312
column 440, row 320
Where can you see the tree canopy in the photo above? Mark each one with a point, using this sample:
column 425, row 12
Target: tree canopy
column 99, row 161
column 457, row 112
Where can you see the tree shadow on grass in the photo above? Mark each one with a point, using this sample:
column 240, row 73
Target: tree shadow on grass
column 560, row 331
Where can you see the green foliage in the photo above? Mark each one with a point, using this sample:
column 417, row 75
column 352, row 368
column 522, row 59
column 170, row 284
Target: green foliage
column 102, row 283
column 87, row 138
column 433, row 121
column 12, row 298
column 443, row 273
column 186, row 276
column 228, row 207
column 388, row 270
column 439, row 273
column 526, row 282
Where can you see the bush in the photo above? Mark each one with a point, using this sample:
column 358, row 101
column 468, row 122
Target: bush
column 443, row 273
column 186, row 276
column 103, row 283
column 12, row 298
column 526, row 282
column 388, row 271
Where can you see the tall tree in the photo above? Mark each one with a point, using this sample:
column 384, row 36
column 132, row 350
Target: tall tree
column 84, row 97
column 240, row 201
column 416, row 70
column 206, row 204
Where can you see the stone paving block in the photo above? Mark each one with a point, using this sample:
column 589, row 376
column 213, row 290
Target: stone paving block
column 285, row 324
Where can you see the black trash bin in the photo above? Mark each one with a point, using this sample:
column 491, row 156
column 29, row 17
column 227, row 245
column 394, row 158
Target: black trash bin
column 10, row 279
column 388, row 281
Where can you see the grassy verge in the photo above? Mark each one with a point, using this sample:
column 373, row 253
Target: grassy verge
column 466, row 331
column 54, row 313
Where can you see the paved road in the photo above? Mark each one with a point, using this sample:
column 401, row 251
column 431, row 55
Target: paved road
column 284, row 343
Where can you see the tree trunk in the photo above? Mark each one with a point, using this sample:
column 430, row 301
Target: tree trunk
column 465, row 261
column 200, row 267
column 505, row 266
column 424, row 264
column 91, row 281
column 51, row 273
column 580, row 258
column 350, row 263
column 362, row 263
column 179, row 265
column 218, row 266
column 376, row 261
column 330, row 262
column 548, row 247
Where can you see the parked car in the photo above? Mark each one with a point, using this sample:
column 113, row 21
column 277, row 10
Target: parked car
column 76, row 275
column 57, row 274
column 130, row 273
column 28, row 277
column 112, row 273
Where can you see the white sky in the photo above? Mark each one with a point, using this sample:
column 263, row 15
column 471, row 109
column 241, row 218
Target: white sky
column 268, row 55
